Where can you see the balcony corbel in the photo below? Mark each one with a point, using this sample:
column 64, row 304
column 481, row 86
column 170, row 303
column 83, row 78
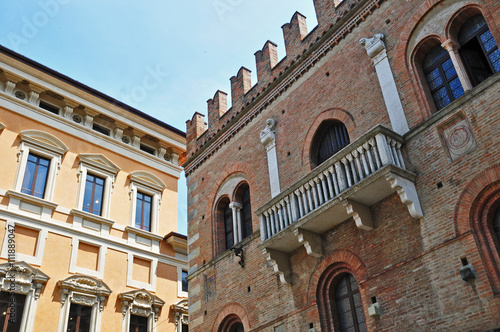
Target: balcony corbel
column 360, row 213
column 280, row 263
column 312, row 242
column 408, row 194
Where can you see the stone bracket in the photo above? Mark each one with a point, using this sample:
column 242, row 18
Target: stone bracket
column 408, row 194
column 360, row 213
column 280, row 263
column 311, row 241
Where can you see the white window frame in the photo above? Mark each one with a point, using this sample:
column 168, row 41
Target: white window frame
column 40, row 244
column 97, row 165
column 44, row 145
column 152, row 274
column 83, row 290
column 149, row 184
column 140, row 303
column 28, row 281
column 73, row 268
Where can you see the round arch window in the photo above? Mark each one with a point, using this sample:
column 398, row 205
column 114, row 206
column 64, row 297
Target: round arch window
column 330, row 138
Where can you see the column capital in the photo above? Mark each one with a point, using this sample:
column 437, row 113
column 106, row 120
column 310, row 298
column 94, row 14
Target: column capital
column 373, row 45
column 450, row 45
column 267, row 136
column 235, row 205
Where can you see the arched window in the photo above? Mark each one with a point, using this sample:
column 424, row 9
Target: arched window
column 244, row 210
column 232, row 323
column 441, row 77
column 496, row 226
column 478, row 49
column 330, row 138
column 349, row 309
column 228, row 226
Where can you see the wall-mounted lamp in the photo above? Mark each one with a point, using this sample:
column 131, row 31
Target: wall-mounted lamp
column 238, row 251
column 374, row 310
column 467, row 271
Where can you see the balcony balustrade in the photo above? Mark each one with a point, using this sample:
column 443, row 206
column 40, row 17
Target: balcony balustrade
column 346, row 185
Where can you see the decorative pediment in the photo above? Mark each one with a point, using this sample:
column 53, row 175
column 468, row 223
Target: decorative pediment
column 99, row 161
column 148, row 179
column 24, row 276
column 44, row 140
column 84, row 284
column 180, row 310
column 141, row 303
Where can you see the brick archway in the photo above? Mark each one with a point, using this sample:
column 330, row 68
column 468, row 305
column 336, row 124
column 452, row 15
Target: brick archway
column 231, row 310
column 331, row 114
column 474, row 212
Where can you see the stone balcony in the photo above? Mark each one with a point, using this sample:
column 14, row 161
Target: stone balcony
column 343, row 187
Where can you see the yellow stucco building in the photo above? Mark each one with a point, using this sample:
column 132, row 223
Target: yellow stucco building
column 88, row 209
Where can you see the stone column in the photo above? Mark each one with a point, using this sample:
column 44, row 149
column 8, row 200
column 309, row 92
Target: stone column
column 376, row 50
column 452, row 48
column 237, row 230
column 268, row 138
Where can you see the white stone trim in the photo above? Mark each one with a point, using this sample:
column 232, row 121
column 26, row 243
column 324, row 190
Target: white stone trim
column 30, row 205
column 268, row 138
column 40, row 245
column 73, row 268
column 2, row 127
column 152, row 277
column 84, row 290
column 98, row 165
column 140, row 303
column 180, row 292
column 45, row 145
column 28, row 281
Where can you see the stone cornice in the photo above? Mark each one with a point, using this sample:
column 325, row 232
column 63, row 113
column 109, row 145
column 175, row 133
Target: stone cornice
column 286, row 80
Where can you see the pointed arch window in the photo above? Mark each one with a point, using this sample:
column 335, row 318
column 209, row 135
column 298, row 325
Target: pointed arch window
column 441, row 77
column 331, row 137
column 228, row 226
column 478, row 49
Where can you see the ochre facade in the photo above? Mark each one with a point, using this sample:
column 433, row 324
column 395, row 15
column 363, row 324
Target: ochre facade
column 78, row 258
column 369, row 153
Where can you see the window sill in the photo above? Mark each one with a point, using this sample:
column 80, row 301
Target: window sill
column 143, row 238
column 31, row 204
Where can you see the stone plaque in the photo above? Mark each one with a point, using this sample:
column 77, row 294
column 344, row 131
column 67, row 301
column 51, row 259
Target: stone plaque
column 457, row 136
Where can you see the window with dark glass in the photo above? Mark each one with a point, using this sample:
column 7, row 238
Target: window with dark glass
column 138, row 324
column 49, row 107
column 441, row 76
column 11, row 315
column 35, row 176
column 478, row 49
column 143, row 211
column 228, row 226
column 101, row 129
column 330, row 139
column 347, row 299
column 238, row 327
column 185, row 328
column 246, row 213
column 184, row 281
column 79, row 318
column 147, row 149
column 496, row 226
column 92, row 199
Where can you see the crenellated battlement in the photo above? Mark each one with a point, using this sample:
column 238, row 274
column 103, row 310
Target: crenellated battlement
column 297, row 42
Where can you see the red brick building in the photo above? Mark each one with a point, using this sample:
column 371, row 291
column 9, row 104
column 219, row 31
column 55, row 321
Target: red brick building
column 356, row 185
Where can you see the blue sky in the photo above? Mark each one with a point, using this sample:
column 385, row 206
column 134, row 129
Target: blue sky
column 191, row 48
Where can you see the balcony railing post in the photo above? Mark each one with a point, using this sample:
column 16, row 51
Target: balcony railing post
column 263, row 228
column 384, row 150
column 341, row 176
column 294, row 204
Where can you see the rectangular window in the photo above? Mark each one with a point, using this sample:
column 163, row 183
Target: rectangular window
column 92, row 199
column 143, row 211
column 48, row 107
column 138, row 324
column 11, row 315
column 101, row 129
column 147, row 149
column 185, row 328
column 79, row 318
column 184, row 281
column 35, row 176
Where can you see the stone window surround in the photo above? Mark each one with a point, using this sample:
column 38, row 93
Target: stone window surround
column 83, row 290
column 141, row 303
column 98, row 165
column 152, row 276
column 147, row 183
column 73, row 268
column 180, row 292
column 44, row 145
column 28, row 281
column 40, row 244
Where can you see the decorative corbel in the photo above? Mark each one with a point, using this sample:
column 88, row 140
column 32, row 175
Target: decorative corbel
column 311, row 241
column 280, row 263
column 408, row 194
column 360, row 213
